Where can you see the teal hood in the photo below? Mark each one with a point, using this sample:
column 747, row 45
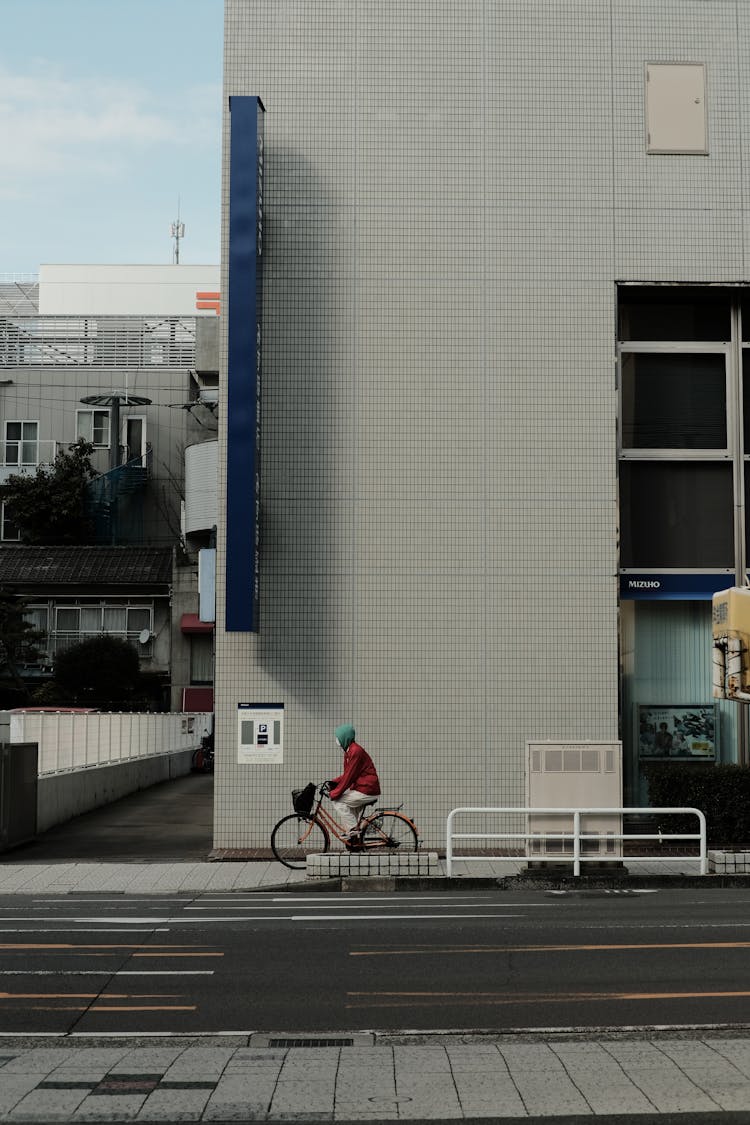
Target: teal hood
column 344, row 736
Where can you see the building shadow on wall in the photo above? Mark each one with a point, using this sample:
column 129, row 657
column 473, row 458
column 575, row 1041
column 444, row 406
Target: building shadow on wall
column 307, row 452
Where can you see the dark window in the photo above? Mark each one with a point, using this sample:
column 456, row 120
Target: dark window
column 11, row 532
column 673, row 313
column 745, row 312
column 747, row 510
column 746, row 399
column 673, row 401
column 202, row 659
column 676, row 514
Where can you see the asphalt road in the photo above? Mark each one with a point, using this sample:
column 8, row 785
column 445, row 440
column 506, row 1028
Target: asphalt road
column 326, row 963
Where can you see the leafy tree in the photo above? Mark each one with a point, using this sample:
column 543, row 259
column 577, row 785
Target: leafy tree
column 97, row 671
column 18, row 645
column 48, row 694
column 49, row 506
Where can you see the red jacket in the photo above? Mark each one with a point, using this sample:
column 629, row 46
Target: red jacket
column 359, row 773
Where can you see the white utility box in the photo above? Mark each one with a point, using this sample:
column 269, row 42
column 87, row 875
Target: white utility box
column 574, row 775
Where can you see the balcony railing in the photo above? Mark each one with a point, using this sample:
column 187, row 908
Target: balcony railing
column 121, row 342
column 56, row 642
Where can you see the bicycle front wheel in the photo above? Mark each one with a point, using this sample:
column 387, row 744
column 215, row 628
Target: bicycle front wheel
column 296, row 837
column 390, row 831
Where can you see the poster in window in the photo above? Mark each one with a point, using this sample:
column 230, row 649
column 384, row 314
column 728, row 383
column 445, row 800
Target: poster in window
column 686, row 732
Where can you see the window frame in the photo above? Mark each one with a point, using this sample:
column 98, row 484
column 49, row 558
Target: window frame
column 19, row 463
column 75, row 636
column 735, row 454
column 5, row 518
column 45, row 657
column 655, row 453
column 628, row 539
column 202, row 658
column 91, row 413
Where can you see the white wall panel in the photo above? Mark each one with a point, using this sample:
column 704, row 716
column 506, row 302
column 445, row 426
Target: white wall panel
column 453, row 191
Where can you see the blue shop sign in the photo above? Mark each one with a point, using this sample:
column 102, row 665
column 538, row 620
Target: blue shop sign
column 679, row 587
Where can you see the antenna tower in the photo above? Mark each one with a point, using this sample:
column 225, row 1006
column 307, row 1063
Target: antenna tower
column 177, row 231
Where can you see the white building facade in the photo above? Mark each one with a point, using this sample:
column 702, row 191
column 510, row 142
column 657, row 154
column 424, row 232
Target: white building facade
column 466, row 210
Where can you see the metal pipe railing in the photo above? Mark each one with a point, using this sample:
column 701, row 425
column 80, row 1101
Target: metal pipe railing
column 576, row 836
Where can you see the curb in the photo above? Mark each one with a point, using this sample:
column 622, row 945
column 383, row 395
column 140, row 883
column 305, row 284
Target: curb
column 570, row 883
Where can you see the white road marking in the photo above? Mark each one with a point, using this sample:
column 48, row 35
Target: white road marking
column 366, row 905
column 106, row 973
column 91, row 930
column 164, row 973
column 388, row 917
column 125, row 923
column 445, row 897
column 122, row 899
column 264, row 899
column 145, row 925
column 615, row 892
column 119, row 923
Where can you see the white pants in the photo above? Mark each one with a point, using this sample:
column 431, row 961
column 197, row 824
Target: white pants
column 348, row 806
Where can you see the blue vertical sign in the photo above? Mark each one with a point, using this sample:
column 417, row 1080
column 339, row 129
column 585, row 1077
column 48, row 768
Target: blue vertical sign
column 243, row 363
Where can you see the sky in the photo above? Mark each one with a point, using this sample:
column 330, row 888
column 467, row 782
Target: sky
column 110, row 118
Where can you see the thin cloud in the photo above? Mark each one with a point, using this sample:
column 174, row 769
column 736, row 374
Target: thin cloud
column 52, row 126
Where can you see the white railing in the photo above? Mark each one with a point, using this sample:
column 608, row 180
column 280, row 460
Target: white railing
column 31, row 340
column 575, row 837
column 76, row 741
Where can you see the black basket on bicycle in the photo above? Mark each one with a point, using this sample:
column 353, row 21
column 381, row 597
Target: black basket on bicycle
column 302, row 799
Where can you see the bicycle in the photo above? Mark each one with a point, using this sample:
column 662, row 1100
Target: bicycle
column 308, row 831
column 202, row 760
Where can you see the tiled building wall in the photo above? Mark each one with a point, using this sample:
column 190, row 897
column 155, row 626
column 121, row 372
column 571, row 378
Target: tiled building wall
column 452, row 191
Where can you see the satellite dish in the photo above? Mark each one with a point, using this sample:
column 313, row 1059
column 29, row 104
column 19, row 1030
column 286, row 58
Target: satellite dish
column 144, row 636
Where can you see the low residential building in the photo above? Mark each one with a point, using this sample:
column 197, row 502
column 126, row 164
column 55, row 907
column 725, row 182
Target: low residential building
column 126, row 358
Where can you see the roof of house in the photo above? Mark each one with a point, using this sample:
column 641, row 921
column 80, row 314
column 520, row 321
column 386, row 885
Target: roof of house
column 85, row 566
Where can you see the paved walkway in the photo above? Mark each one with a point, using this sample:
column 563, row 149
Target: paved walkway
column 195, row 877
column 377, row 1078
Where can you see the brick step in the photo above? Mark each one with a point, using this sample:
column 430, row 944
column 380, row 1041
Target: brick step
column 332, row 864
column 729, row 861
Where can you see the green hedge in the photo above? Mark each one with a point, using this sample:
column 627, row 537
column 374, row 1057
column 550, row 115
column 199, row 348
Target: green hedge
column 721, row 792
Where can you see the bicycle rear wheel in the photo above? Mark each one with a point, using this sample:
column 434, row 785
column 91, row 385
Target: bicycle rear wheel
column 296, row 837
column 390, row 831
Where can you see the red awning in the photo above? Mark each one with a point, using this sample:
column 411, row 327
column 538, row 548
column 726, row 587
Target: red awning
column 198, row 699
column 191, row 623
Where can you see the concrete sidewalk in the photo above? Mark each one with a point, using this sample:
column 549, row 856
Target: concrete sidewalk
column 378, row 1077
column 253, row 875
column 158, row 841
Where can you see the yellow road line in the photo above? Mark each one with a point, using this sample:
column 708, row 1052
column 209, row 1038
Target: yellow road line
column 429, row 999
column 601, row 948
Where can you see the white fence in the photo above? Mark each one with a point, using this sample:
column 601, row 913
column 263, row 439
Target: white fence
column 75, row 741
column 574, row 837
